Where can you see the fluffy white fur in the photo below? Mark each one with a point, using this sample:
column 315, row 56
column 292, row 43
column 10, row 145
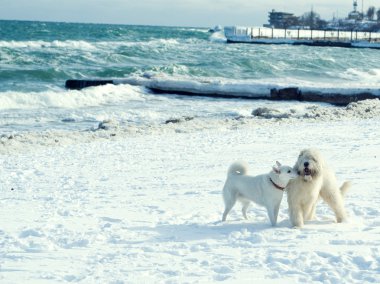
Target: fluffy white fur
column 259, row 189
column 315, row 180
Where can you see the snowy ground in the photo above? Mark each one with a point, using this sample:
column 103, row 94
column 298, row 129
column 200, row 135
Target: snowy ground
column 129, row 206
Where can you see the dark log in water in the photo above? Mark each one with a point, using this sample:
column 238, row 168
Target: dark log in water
column 291, row 93
column 80, row 84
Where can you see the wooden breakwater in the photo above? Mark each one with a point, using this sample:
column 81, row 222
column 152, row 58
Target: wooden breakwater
column 332, row 96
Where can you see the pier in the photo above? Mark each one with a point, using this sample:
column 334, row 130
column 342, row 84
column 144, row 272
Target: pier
column 337, row 38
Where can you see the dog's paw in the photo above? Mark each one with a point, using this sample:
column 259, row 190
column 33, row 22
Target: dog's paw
column 298, row 226
column 342, row 220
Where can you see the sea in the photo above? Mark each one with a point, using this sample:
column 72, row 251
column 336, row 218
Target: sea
column 36, row 58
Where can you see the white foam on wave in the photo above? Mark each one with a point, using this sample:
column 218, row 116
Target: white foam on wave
column 155, row 43
column 152, row 42
column 72, row 44
column 370, row 76
column 103, row 95
column 169, row 41
column 218, row 37
column 200, row 30
column 83, row 45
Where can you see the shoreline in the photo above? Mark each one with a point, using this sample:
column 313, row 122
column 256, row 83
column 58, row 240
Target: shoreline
column 109, row 130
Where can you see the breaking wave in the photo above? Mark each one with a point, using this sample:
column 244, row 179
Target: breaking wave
column 61, row 98
column 45, row 44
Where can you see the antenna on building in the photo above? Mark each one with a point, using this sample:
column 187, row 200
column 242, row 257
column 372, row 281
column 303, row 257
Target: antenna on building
column 362, row 7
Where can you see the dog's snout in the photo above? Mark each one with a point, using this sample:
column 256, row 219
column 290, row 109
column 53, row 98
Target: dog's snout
column 306, row 164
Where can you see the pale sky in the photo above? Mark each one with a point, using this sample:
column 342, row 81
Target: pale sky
column 195, row 13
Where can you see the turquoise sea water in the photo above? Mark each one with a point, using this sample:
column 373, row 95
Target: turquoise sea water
column 37, row 57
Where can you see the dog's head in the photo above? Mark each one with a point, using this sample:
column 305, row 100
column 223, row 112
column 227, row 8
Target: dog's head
column 284, row 173
column 309, row 164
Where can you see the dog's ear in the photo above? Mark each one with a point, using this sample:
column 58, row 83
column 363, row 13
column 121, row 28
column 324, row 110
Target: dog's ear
column 278, row 164
column 276, row 170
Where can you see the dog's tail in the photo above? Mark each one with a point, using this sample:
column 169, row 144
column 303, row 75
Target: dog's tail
column 345, row 187
column 238, row 168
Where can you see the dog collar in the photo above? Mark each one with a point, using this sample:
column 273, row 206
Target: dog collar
column 276, row 185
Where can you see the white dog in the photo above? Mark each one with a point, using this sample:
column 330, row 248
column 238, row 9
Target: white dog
column 314, row 179
column 265, row 189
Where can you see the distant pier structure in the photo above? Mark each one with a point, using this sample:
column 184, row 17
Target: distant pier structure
column 310, row 29
column 337, row 38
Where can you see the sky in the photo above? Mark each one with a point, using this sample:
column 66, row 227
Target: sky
column 194, row 13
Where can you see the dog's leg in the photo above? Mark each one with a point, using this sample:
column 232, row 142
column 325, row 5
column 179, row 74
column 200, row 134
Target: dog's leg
column 229, row 202
column 272, row 214
column 309, row 212
column 244, row 209
column 345, row 187
column 276, row 210
column 335, row 200
column 296, row 217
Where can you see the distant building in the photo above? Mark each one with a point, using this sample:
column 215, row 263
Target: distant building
column 281, row 20
column 355, row 14
column 354, row 21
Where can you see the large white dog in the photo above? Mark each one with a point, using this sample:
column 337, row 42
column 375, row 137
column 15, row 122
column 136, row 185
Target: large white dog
column 314, row 180
column 265, row 190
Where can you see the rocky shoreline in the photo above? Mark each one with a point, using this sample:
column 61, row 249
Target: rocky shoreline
column 110, row 130
column 336, row 98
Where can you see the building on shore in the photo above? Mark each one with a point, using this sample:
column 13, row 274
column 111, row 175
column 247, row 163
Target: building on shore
column 355, row 14
column 355, row 20
column 281, row 20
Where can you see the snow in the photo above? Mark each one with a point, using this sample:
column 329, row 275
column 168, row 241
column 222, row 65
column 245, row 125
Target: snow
column 124, row 204
column 362, row 109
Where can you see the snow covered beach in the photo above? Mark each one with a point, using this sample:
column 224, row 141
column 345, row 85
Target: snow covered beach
column 142, row 204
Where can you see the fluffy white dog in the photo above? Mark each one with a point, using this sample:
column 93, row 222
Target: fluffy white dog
column 265, row 189
column 314, row 180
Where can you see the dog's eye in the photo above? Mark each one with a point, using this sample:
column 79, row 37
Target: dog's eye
column 289, row 172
